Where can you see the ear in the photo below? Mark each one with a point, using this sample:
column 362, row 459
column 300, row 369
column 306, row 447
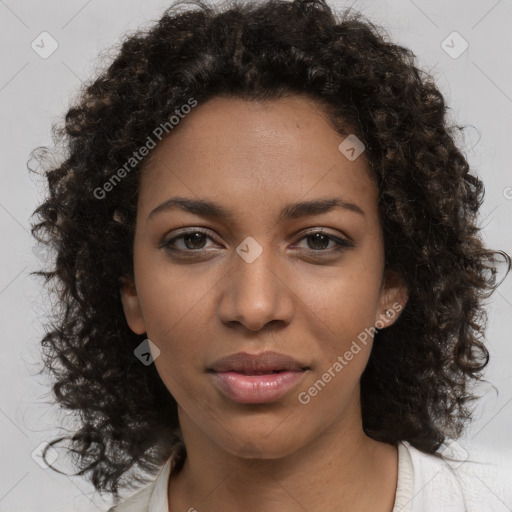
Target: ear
column 131, row 306
column 393, row 297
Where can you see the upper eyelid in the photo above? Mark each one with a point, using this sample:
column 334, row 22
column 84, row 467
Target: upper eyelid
column 187, row 231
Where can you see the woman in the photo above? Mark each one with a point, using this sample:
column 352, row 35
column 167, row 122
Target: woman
column 271, row 272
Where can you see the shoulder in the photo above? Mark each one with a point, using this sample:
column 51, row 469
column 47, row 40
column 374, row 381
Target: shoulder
column 461, row 476
column 151, row 498
column 137, row 502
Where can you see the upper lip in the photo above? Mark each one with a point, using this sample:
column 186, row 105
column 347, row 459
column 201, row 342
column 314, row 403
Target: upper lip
column 265, row 361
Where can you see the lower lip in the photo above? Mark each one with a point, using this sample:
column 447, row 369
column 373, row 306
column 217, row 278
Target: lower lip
column 256, row 389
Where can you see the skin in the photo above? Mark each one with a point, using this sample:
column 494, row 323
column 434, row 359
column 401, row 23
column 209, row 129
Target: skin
column 254, row 158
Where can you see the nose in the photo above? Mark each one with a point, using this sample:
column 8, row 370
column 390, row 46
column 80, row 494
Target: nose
column 256, row 293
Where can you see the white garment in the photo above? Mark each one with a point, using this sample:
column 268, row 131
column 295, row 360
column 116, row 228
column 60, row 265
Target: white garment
column 458, row 481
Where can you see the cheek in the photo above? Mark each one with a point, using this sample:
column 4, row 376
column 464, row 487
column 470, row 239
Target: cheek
column 174, row 306
column 345, row 298
column 339, row 310
column 176, row 323
column 172, row 296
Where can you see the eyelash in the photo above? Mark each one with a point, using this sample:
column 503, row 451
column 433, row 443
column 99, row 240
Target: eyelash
column 342, row 244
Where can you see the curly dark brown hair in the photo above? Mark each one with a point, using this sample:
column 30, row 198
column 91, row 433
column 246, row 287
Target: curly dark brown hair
column 418, row 383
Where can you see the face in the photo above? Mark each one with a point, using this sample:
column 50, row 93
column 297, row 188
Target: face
column 308, row 285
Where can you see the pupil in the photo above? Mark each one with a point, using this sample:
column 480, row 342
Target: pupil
column 317, row 237
column 195, row 237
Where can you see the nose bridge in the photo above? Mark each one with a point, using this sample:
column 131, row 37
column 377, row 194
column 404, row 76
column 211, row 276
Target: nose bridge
column 255, row 292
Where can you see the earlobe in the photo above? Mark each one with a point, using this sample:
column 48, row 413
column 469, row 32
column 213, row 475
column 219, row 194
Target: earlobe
column 131, row 306
column 394, row 296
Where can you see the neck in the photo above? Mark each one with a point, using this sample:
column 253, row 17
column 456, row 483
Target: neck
column 341, row 469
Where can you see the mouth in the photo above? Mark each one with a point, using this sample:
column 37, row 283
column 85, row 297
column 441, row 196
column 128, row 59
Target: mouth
column 256, row 388
column 256, row 379
column 257, row 364
column 254, row 372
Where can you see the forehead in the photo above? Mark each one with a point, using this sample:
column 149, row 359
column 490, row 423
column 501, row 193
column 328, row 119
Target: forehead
column 254, row 154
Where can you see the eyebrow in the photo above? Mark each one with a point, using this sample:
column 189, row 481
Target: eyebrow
column 211, row 209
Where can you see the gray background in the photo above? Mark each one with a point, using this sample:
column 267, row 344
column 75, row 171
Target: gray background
column 35, row 91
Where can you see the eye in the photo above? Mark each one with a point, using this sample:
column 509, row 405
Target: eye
column 318, row 241
column 193, row 241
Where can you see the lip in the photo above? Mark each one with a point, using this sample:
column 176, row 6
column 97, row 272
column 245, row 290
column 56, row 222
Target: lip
column 235, row 376
column 256, row 389
column 244, row 362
